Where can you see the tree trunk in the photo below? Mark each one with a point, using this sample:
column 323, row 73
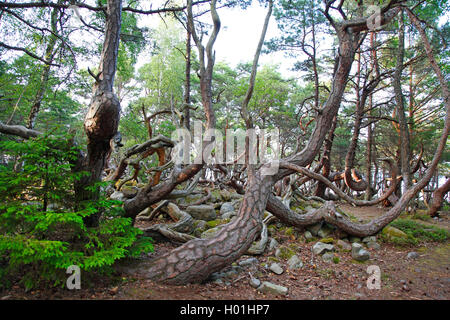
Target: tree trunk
column 187, row 85
column 49, row 54
column 438, row 198
column 102, row 119
column 405, row 149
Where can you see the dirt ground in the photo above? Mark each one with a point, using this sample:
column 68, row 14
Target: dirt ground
column 426, row 277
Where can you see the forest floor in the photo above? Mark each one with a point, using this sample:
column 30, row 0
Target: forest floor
column 425, row 277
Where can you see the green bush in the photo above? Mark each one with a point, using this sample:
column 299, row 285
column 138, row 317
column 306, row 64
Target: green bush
column 42, row 231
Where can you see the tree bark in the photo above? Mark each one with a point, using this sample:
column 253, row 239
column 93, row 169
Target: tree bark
column 49, row 54
column 438, row 198
column 405, row 149
column 102, row 119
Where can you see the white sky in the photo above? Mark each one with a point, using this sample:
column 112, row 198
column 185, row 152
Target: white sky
column 239, row 35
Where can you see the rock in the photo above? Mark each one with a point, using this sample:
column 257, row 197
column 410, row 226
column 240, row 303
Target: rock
column 226, row 207
column 295, row 263
column 117, row 195
column 273, row 244
column 275, row 268
column 228, row 215
column 394, row 232
column 216, row 223
column 200, row 226
column 412, row 255
column 327, row 240
column 129, row 192
column 315, row 228
column 359, row 253
column 344, row 245
column 353, row 239
column 308, row 209
column 268, row 287
column 248, row 262
column 373, row 245
column 328, row 257
column 324, row 232
column 202, row 212
column 225, row 194
column 320, row 247
column 284, row 252
column 236, row 196
column 210, row 233
column 218, row 281
column 369, row 239
column 308, row 235
column 255, row 283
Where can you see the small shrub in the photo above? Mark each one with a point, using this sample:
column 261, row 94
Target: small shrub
column 41, row 230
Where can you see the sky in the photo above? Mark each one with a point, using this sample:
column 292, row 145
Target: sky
column 239, row 35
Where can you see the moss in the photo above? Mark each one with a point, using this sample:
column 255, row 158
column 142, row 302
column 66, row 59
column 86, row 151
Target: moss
column 391, row 232
column 284, row 253
column 315, row 205
column 272, row 259
column 327, row 240
column 417, row 232
column 217, row 222
column 358, row 262
column 336, row 259
column 421, row 215
column 289, row 231
column 215, row 195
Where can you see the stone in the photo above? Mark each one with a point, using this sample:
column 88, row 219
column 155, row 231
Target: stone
column 359, row 253
column 324, row 232
column 129, row 192
column 248, row 262
column 273, row 244
column 344, row 245
column 315, row 228
column 255, row 283
column 412, row 255
column 228, row 215
column 200, row 226
column 394, row 232
column 328, row 257
column 369, row 239
column 210, row 233
column 295, row 263
column 327, row 240
column 373, row 245
column 268, row 287
column 308, row 235
column 284, row 252
column 226, row 207
column 276, row 268
column 225, row 194
column 117, row 195
column 353, row 239
column 202, row 212
column 320, row 247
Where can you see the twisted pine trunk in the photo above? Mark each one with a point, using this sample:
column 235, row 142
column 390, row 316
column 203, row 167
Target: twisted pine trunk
column 197, row 259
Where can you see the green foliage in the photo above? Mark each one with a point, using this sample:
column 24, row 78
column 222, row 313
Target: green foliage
column 42, row 229
column 418, row 232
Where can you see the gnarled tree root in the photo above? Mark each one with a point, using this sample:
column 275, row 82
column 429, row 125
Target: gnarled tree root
column 195, row 260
